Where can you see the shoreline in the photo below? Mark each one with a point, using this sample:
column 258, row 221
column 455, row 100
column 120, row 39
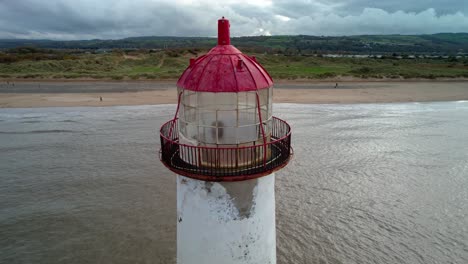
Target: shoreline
column 173, row 81
column 26, row 94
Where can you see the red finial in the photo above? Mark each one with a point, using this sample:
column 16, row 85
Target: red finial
column 223, row 32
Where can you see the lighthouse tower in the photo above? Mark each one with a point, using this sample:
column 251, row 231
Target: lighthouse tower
column 224, row 144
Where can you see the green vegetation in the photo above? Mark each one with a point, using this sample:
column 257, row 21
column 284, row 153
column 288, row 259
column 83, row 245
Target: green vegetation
column 169, row 64
column 285, row 57
column 445, row 43
column 293, row 67
column 115, row 65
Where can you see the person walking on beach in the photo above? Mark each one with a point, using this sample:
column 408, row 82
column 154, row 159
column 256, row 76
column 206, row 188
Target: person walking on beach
column 336, row 85
column 100, row 98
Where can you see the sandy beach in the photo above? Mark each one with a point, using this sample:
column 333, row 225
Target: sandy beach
column 88, row 93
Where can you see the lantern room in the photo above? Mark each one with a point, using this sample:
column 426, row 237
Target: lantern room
column 223, row 129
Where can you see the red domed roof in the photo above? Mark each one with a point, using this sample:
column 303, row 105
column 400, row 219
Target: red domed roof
column 224, row 69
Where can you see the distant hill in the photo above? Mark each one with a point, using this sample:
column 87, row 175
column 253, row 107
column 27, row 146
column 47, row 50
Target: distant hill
column 443, row 43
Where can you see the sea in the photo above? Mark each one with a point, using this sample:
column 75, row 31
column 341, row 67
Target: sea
column 368, row 183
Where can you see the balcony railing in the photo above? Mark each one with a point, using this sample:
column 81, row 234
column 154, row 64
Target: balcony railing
column 212, row 163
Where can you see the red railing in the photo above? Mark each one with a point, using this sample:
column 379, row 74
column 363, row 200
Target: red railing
column 235, row 163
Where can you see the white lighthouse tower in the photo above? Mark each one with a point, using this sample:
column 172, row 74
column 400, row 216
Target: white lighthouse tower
column 225, row 145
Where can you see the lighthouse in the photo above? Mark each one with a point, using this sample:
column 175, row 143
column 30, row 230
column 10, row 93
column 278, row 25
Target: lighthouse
column 225, row 145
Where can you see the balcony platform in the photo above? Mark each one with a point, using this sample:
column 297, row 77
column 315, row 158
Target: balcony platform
column 218, row 164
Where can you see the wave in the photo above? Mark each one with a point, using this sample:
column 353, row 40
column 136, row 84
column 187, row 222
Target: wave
column 31, row 122
column 68, row 121
column 36, row 132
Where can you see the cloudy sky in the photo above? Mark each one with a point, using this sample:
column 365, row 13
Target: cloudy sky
column 111, row 19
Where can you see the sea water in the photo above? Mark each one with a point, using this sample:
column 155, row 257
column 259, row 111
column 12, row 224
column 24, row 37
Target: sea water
column 369, row 183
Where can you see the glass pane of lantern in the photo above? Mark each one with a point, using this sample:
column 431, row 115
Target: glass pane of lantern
column 247, row 100
column 207, row 101
column 190, row 98
column 208, row 135
column 247, row 116
column 192, row 131
column 190, row 114
column 247, row 134
column 265, row 130
column 226, row 101
column 227, row 136
column 264, row 97
column 227, row 118
column 264, row 112
column 227, row 123
column 183, row 127
column 181, row 112
column 185, row 95
column 207, row 117
column 269, row 126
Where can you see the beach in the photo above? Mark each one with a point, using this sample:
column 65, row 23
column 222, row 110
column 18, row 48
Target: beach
column 26, row 94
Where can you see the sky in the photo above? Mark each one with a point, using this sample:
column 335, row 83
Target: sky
column 115, row 19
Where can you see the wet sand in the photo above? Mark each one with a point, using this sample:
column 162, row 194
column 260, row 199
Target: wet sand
column 88, row 93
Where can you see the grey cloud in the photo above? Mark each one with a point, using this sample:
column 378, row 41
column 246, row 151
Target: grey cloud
column 301, row 8
column 415, row 6
column 378, row 21
column 84, row 19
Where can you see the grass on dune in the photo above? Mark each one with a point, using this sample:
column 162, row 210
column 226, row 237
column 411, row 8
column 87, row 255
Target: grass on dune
column 171, row 64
